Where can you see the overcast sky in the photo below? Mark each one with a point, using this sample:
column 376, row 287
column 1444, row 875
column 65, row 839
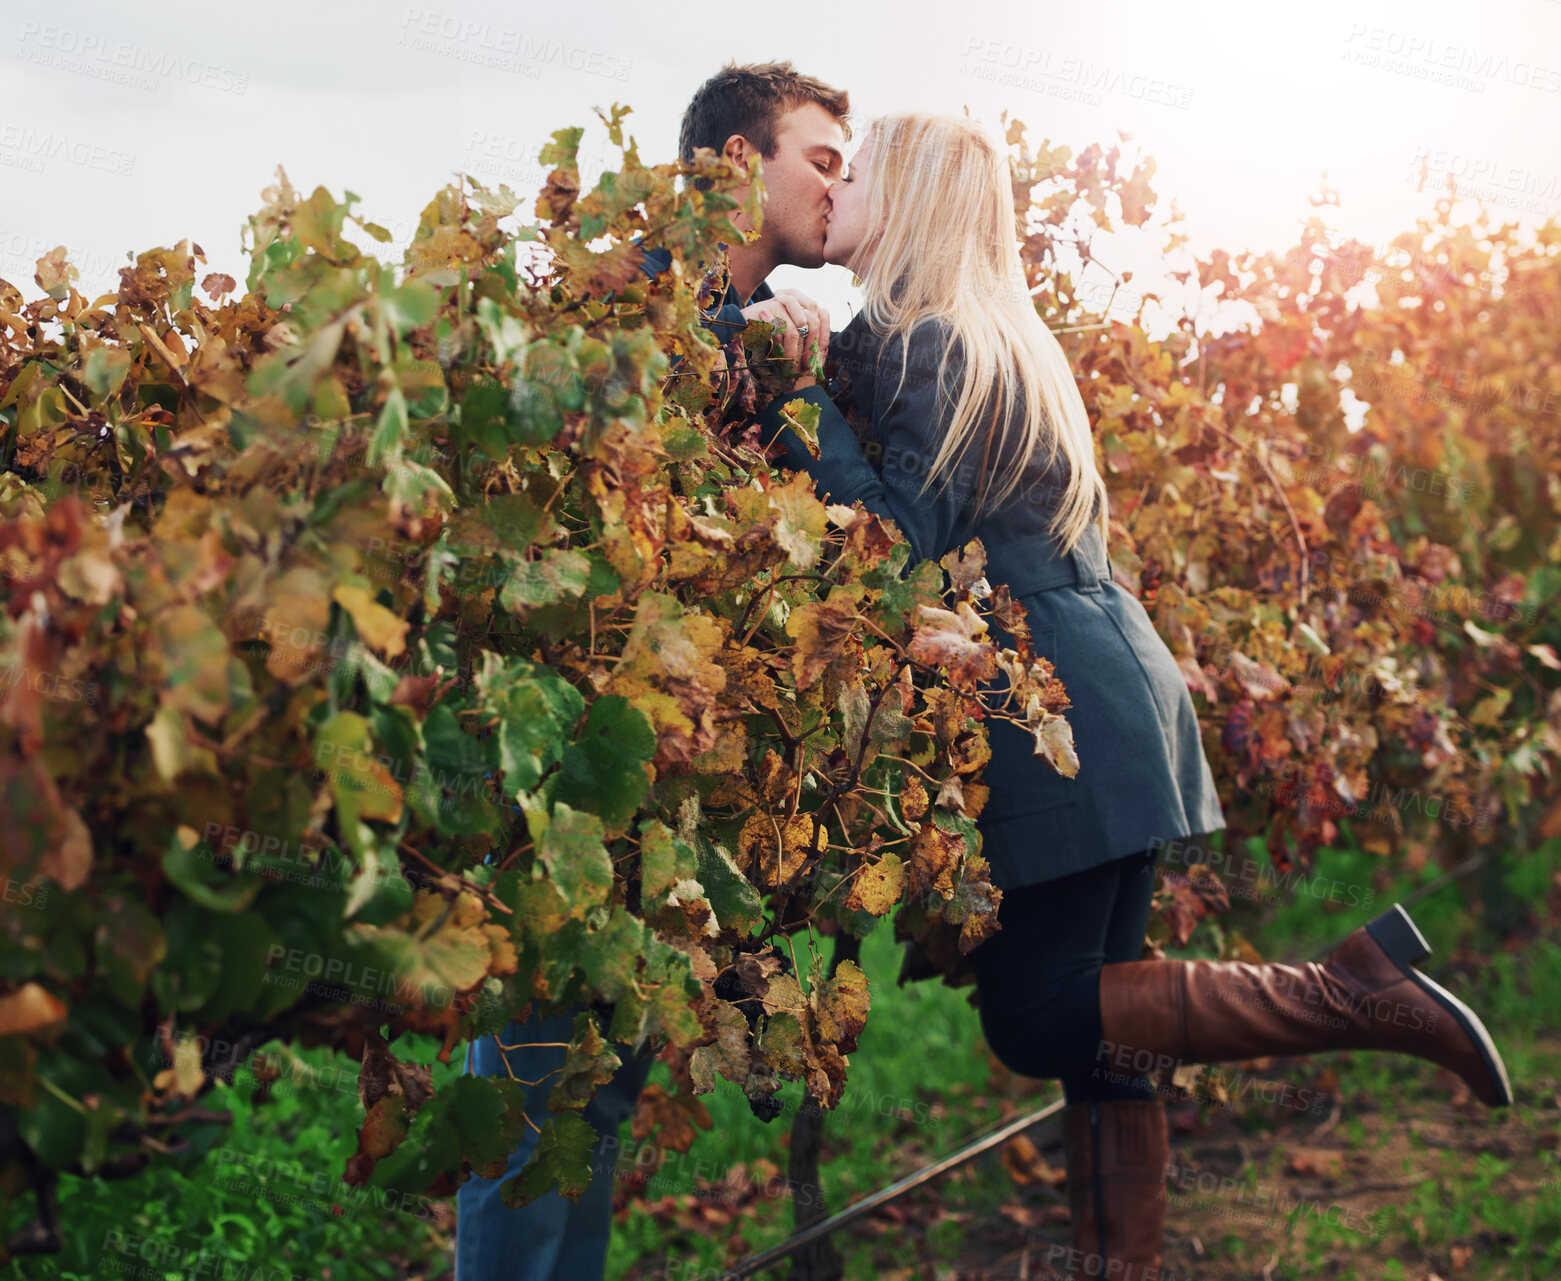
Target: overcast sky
column 126, row 126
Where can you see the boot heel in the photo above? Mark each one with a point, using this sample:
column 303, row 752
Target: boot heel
column 1398, row 936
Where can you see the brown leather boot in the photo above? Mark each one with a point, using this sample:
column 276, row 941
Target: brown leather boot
column 1366, row 996
column 1117, row 1154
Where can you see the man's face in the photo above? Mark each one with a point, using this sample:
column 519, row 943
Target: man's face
column 809, row 158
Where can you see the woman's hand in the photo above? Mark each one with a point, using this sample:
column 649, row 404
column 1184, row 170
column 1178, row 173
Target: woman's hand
column 804, row 329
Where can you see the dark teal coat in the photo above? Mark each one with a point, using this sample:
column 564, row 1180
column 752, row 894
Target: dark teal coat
column 1143, row 778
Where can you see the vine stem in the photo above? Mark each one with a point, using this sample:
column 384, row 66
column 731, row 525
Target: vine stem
column 61, row 1095
column 482, row 893
column 1295, row 525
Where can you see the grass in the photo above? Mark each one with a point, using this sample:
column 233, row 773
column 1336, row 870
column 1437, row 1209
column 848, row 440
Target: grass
column 265, row 1193
column 920, row 1085
column 918, row 1088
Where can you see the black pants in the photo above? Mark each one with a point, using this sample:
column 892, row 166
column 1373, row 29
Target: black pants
column 1039, row 976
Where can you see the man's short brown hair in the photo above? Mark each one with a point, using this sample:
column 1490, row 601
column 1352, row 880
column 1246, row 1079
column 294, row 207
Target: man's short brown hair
column 749, row 100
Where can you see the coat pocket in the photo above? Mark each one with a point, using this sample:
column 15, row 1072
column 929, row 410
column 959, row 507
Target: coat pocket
column 1022, row 782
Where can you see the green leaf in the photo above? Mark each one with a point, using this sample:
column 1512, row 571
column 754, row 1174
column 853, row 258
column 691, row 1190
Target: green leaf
column 485, row 416
column 732, row 896
column 246, row 942
column 190, row 863
column 379, row 891
column 534, row 417
column 195, row 656
column 590, row 1062
column 605, row 767
column 362, row 785
column 665, row 859
column 390, row 430
column 409, row 306
column 476, row 1117
column 538, row 710
column 105, row 372
column 458, row 760
column 53, row 1129
column 192, row 967
column 546, row 580
column 432, row 956
column 562, row 1157
column 505, row 333
column 576, row 860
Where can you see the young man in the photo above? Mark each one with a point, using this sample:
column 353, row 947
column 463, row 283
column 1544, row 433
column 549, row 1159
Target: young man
column 798, row 126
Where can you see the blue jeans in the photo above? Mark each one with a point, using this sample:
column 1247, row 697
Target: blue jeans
column 552, row 1238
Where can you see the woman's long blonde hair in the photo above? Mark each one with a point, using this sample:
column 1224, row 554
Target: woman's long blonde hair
column 940, row 189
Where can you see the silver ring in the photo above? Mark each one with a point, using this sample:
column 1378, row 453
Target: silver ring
column 802, row 331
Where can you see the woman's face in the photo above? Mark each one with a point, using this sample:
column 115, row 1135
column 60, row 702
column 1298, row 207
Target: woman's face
column 845, row 225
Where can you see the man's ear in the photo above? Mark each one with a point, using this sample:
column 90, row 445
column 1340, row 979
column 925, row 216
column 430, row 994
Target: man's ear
column 737, row 150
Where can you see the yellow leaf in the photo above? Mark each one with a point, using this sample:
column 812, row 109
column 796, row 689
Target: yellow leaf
column 952, row 639
column 68, row 863
column 173, row 752
column 294, row 625
column 1054, row 741
column 91, row 577
column 878, row 886
column 822, row 630
column 29, row 1008
column 757, row 844
column 374, row 622
column 842, row 1006
column 194, row 654
column 935, row 855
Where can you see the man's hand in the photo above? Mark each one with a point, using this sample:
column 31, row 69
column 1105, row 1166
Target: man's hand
column 792, row 313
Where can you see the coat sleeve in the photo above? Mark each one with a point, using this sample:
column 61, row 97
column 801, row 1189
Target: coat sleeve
column 909, row 426
column 725, row 320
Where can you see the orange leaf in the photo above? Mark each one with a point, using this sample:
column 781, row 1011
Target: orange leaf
column 29, row 1008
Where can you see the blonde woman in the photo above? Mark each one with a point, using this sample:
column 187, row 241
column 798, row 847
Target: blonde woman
column 975, row 428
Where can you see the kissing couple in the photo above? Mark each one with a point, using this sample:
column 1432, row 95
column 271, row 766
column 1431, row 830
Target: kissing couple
column 953, row 411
